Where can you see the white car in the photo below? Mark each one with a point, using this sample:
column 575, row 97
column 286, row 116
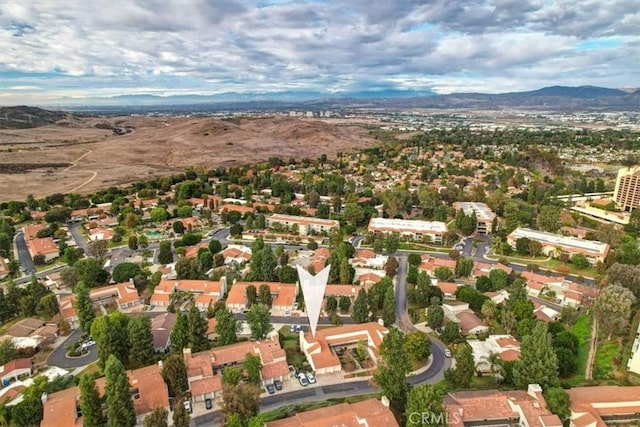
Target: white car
column 311, row 378
column 447, row 352
column 187, row 405
column 303, row 379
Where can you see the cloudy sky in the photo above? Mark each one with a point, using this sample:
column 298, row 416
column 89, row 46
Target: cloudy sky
column 57, row 50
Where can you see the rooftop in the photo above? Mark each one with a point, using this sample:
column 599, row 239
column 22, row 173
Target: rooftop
column 415, row 226
column 559, row 240
column 481, row 209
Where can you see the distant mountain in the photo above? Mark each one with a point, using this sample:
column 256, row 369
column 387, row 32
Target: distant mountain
column 552, row 98
column 23, row 117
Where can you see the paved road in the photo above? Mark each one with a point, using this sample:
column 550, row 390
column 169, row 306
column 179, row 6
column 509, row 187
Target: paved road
column 58, row 356
column 75, row 228
column 23, row 254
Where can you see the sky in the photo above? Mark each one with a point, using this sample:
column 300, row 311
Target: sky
column 58, row 51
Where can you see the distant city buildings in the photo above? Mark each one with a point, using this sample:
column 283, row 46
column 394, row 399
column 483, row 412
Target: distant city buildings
column 627, row 191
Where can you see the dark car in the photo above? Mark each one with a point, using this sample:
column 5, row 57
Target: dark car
column 278, row 384
column 271, row 389
column 208, row 403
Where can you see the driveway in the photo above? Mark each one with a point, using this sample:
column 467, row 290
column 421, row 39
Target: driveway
column 23, row 254
column 59, row 356
column 75, row 228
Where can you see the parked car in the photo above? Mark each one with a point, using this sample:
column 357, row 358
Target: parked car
column 278, row 384
column 208, row 403
column 447, row 352
column 292, row 328
column 303, row 379
column 292, row 371
column 187, row 405
column 271, row 389
column 311, row 378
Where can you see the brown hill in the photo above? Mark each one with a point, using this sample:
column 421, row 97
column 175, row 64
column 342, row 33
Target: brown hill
column 91, row 155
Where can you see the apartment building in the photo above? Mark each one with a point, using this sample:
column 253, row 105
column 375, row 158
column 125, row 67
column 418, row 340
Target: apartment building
column 555, row 244
column 604, row 405
column 306, row 225
column 204, row 291
column 627, row 191
column 283, row 296
column 433, row 231
column 484, row 214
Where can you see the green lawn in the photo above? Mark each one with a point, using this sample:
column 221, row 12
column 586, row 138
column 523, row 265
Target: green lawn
column 291, row 346
column 604, row 366
column 582, row 329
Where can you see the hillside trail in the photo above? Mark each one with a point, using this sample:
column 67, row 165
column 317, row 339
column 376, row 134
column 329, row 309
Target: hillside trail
column 588, row 375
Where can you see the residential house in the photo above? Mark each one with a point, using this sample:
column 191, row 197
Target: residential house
column 633, row 365
column 236, row 254
column 283, row 296
column 205, row 292
column 505, row 346
column 499, row 408
column 448, row 289
column 432, row 231
column 320, row 350
column 366, row 258
column 44, row 247
column 601, row 406
column 370, row 412
column 161, row 328
column 430, row 263
column 4, row 268
column 15, row 369
column 470, row 323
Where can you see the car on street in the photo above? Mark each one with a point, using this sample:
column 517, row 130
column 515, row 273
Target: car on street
column 292, row 371
column 278, row 384
column 286, row 312
column 87, row 344
column 303, row 379
column 447, row 352
column 311, row 378
column 271, row 389
column 292, row 328
column 208, row 403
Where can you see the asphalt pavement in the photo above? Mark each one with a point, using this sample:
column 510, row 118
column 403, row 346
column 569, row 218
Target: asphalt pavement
column 23, row 254
column 75, row 228
column 59, row 356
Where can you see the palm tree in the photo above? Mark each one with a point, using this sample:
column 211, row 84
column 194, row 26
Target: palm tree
column 495, row 366
column 488, row 310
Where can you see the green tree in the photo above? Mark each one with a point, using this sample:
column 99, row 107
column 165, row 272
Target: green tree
column 393, row 366
column 181, row 417
column 389, row 307
column 435, row 317
column 489, row 310
column 332, row 304
column 158, row 418
column 197, row 331
column 417, row 346
column 226, row 327
column 264, row 295
column 215, row 246
column 567, row 362
column 252, row 295
column 158, row 214
column 451, row 333
column 174, row 373
column 84, row 307
column 125, row 271
column 465, row 366
column 253, row 367
column 180, row 333
column 613, row 308
column 90, row 402
column 344, row 303
column 558, row 402
column 27, row 413
column 48, row 306
column 580, row 261
column 141, row 351
column 522, row 245
column 360, row 313
column 538, row 361
column 425, row 399
column 165, row 256
column 112, row 337
column 242, row 399
column 8, row 351
column 90, row 272
column 178, row 227
column 120, row 412
column 464, row 267
column 443, row 274
column 549, row 218
column 625, row 275
column 133, row 242
column 258, row 319
column 498, row 279
column 231, row 375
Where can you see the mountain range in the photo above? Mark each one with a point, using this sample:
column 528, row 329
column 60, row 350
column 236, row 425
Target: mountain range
column 552, row 98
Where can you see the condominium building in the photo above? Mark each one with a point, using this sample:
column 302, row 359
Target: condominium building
column 627, row 191
column 306, row 225
column 484, row 214
column 555, row 244
column 413, row 229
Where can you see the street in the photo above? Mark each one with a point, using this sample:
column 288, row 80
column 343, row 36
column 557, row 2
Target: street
column 58, row 356
column 23, row 254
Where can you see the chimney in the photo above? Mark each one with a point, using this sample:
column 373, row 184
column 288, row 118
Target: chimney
column 385, row 401
column 534, row 390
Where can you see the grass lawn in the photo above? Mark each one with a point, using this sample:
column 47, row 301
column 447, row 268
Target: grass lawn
column 291, row 346
column 605, row 364
column 549, row 264
column 92, row 369
column 422, row 247
column 582, row 329
column 290, row 410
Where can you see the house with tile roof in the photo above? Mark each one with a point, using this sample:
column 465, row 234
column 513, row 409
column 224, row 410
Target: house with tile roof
column 320, row 350
column 432, row 231
column 371, row 412
column 15, row 369
column 601, row 406
column 505, row 346
column 283, row 296
column 45, row 247
column 306, row 224
column 504, row 408
column 204, row 291
column 147, row 387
